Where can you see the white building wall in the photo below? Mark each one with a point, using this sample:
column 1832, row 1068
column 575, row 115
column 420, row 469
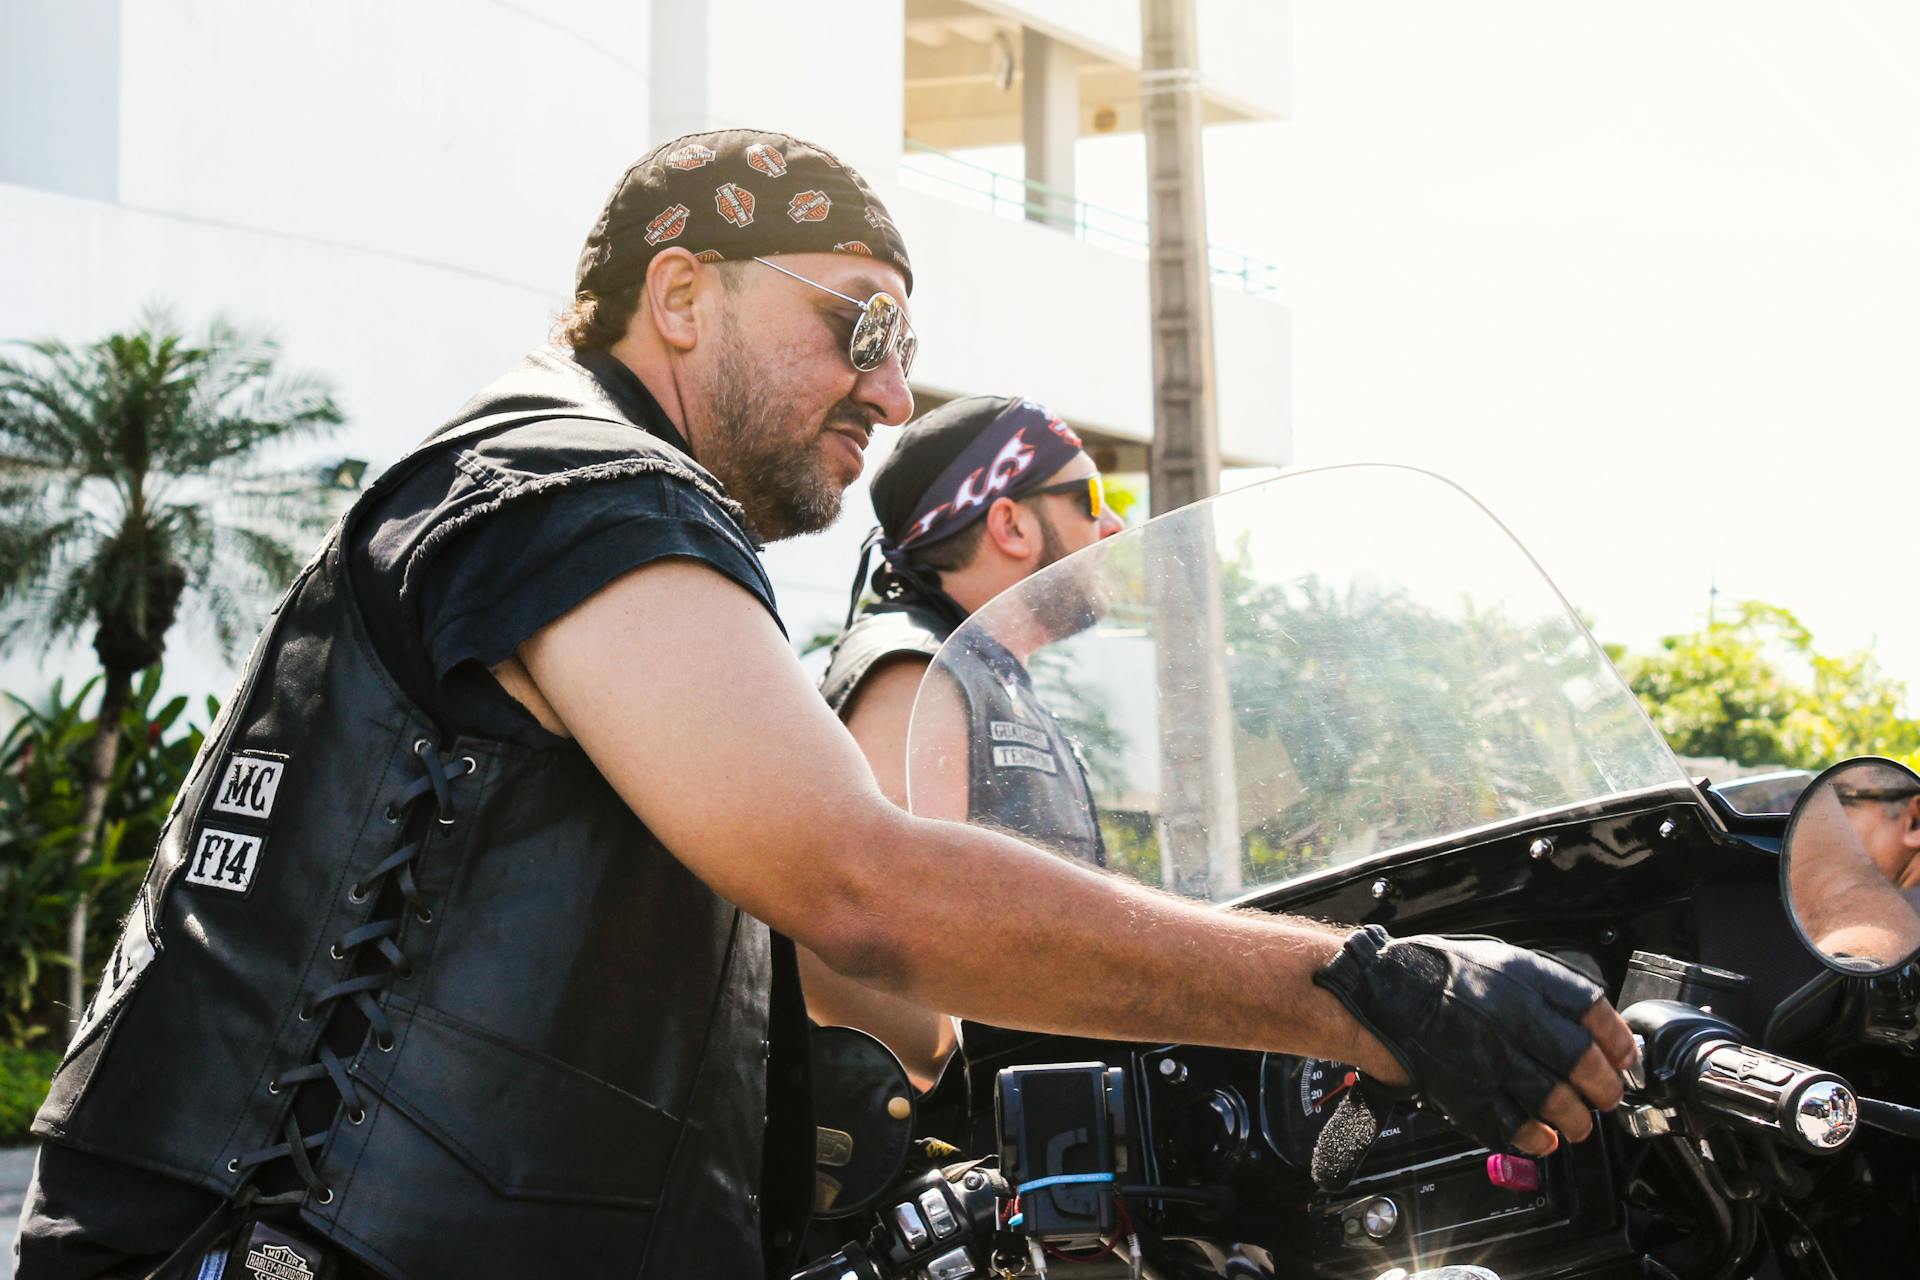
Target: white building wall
column 403, row 202
column 60, row 94
column 469, row 133
column 822, row 70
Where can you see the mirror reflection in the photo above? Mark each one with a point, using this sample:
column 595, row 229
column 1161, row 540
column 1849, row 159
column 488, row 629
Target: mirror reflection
column 1851, row 865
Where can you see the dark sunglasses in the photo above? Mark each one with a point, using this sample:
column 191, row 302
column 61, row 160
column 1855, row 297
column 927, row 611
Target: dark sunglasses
column 1870, row 795
column 1091, row 489
column 881, row 330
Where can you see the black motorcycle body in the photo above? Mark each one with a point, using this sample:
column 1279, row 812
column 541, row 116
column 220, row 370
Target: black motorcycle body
column 1595, row 848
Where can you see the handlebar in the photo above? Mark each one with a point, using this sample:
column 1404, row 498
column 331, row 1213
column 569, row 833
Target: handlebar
column 1691, row 1057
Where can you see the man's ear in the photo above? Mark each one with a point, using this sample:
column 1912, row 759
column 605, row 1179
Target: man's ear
column 1012, row 529
column 672, row 287
column 1910, row 824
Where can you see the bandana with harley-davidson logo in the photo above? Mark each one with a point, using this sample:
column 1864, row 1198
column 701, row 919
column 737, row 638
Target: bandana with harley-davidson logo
column 723, row 196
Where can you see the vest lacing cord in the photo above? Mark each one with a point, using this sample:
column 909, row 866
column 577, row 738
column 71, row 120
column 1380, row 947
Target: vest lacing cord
column 329, row 1066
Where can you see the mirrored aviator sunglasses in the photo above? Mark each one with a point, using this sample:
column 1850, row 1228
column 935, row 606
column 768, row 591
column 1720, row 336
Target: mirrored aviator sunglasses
column 1089, row 489
column 881, row 330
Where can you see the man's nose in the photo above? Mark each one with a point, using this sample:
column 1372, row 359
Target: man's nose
column 1110, row 523
column 884, row 390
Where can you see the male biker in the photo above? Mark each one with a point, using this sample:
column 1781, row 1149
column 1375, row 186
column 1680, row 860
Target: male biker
column 978, row 494
column 1854, row 865
column 455, row 956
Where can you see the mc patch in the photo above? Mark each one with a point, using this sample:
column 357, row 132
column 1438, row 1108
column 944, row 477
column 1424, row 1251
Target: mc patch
column 250, row 785
column 225, row 860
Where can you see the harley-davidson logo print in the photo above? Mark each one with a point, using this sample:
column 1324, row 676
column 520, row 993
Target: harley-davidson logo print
column 224, row 860
column 809, row 206
column 877, row 220
column 274, row 1254
column 669, row 223
column 767, row 160
column 691, row 156
column 734, row 203
column 278, row 1262
column 853, row 246
column 250, row 784
column 710, row 255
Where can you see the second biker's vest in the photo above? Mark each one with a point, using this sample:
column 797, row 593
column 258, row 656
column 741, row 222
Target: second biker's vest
column 563, row 1065
column 1024, row 774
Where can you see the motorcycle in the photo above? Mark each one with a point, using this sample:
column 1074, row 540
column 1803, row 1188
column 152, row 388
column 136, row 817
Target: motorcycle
column 1282, row 702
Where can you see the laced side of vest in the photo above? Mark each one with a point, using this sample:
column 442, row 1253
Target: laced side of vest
column 434, row 793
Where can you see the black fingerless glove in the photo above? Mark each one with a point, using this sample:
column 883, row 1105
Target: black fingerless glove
column 1483, row 1030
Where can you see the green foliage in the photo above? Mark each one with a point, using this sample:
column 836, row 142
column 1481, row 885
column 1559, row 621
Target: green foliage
column 1752, row 688
column 43, row 761
column 131, row 482
column 23, row 1087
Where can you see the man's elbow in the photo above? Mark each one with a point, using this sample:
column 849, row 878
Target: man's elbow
column 861, row 921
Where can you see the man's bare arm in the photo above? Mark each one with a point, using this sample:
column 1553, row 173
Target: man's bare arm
column 922, row 1038
column 677, row 684
column 1845, row 905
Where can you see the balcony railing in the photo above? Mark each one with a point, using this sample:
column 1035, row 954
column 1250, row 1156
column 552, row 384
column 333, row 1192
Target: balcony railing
column 1007, row 196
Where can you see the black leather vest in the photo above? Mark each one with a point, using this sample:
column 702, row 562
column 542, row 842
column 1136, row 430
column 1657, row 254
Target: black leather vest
column 564, row 1064
column 1024, row 774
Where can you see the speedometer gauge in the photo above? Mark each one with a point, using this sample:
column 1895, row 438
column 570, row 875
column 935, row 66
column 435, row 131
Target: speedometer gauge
column 1297, row 1096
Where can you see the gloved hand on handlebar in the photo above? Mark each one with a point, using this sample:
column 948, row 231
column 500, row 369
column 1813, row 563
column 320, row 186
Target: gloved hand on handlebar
column 1496, row 1038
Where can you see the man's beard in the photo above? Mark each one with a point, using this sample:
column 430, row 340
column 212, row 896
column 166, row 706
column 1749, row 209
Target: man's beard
column 1074, row 600
column 785, row 485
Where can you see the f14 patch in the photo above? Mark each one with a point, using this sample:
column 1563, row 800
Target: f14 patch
column 224, row 859
column 225, row 853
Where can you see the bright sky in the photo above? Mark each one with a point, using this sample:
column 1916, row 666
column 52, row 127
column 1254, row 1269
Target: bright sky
column 1642, row 277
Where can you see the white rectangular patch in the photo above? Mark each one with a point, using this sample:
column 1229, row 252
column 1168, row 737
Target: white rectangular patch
column 249, row 785
column 224, row 859
column 1008, row 731
column 1023, row 758
column 131, row 955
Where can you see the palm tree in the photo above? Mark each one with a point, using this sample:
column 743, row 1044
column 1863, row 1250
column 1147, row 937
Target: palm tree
column 132, row 484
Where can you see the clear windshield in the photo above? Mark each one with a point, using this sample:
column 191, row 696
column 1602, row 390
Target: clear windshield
column 1287, row 678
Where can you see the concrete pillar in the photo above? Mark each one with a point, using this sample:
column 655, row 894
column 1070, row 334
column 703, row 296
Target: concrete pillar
column 1049, row 123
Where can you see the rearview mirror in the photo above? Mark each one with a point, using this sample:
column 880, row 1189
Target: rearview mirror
column 1850, row 866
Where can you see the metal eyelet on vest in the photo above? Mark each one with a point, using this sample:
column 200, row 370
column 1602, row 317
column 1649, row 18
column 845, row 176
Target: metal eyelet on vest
column 325, row 1196
column 305, row 1014
column 273, row 1086
column 356, row 893
column 336, row 952
column 424, row 915
column 404, row 972
column 421, row 746
column 233, row 1165
column 384, row 1044
column 358, row 1116
column 393, row 814
column 446, row 822
column 473, row 766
